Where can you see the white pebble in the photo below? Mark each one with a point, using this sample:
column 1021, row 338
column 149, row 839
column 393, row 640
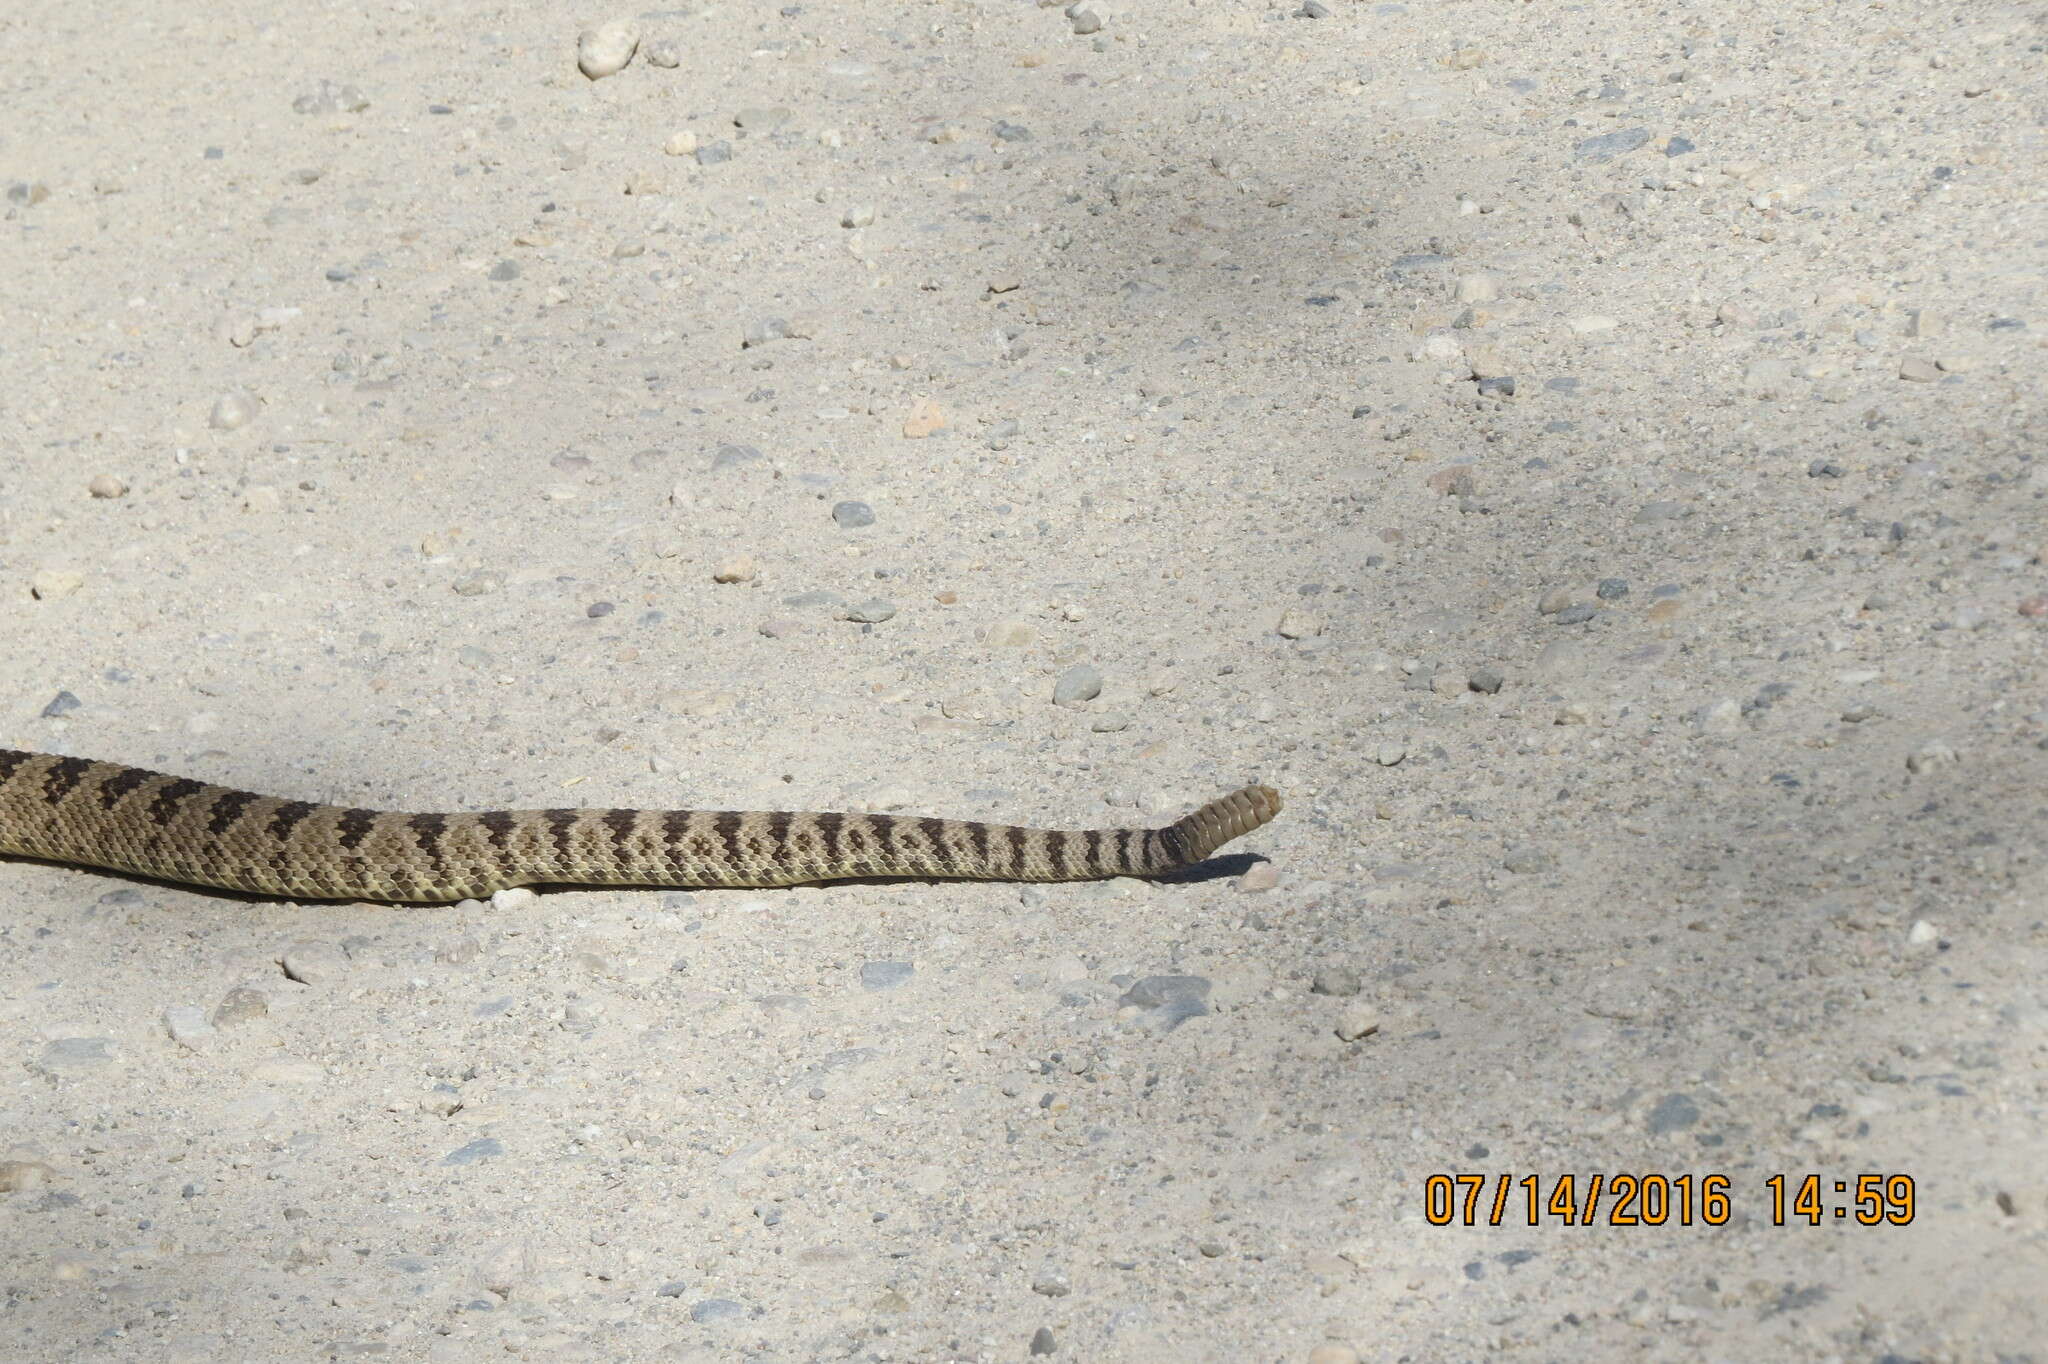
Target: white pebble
column 739, row 569
column 1298, row 624
column 606, row 49
column 106, row 485
column 188, row 1025
column 1931, row 755
column 1922, row 933
column 51, row 583
column 518, row 897
column 1011, row 634
column 1360, row 1020
column 1477, row 289
column 682, row 142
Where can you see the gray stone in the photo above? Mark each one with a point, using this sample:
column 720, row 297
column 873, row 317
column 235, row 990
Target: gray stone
column 853, row 515
column 716, row 1309
column 1607, row 146
column 1169, row 1001
column 483, row 1148
column 1338, row 981
column 873, row 611
column 885, row 975
column 1082, row 682
column 1672, row 1113
column 77, row 1053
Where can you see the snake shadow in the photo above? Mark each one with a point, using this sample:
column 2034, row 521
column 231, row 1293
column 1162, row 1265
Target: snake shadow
column 1214, row 869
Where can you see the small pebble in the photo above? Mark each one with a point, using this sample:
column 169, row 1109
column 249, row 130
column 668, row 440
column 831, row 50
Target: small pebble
column 1931, row 755
column 1485, row 680
column 1359, row 1020
column 1922, row 933
column 762, row 330
column 1918, row 369
column 1082, row 682
column 873, row 611
column 1298, row 624
column 716, row 1309
column 714, row 153
column 63, row 703
column 1338, row 981
column 1084, row 20
column 682, row 142
column 606, row 49
column 513, row 898
column 1042, row 1342
column 926, row 417
column 1011, row 634
column 106, row 486
column 240, row 1005
column 478, row 584
column 885, row 975
column 853, row 515
column 740, row 569
column 665, row 53
column 78, row 1053
column 49, row 584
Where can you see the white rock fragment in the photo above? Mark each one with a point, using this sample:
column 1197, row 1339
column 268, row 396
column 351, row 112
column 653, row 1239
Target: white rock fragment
column 1359, row 1020
column 1011, row 634
column 1922, row 933
column 1299, row 624
column 1931, row 755
column 518, row 897
column 1722, row 717
column 188, row 1026
column 1478, row 289
column 605, row 50
column 48, row 584
column 106, row 486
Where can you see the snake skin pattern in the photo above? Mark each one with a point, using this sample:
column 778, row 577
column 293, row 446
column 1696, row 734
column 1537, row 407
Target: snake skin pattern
column 127, row 819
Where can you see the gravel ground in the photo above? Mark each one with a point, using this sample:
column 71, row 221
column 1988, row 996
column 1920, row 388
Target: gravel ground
column 1585, row 457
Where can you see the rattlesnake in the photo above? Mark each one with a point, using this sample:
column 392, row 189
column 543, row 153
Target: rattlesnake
column 128, row 819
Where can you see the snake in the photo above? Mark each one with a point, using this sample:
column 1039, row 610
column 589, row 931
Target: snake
column 132, row 820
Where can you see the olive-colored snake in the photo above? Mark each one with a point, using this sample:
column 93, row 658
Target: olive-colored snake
column 127, row 819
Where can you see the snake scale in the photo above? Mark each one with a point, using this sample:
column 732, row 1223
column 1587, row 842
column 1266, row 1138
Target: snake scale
column 128, row 819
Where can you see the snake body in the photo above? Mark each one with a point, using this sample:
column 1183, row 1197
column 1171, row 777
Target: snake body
column 129, row 819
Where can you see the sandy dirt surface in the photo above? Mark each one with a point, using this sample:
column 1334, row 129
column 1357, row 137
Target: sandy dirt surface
column 1587, row 457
